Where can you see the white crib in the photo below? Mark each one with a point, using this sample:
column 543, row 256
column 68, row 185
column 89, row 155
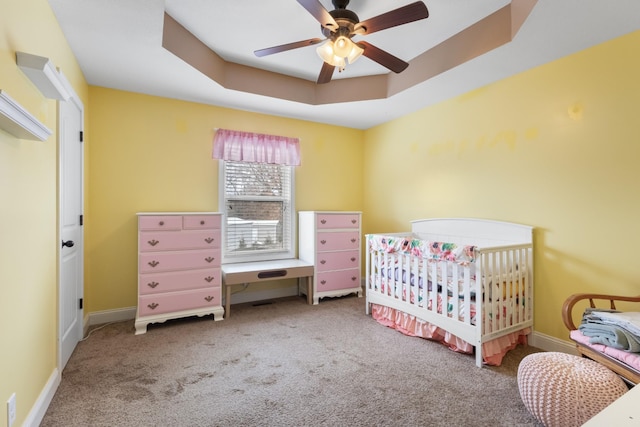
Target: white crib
column 471, row 278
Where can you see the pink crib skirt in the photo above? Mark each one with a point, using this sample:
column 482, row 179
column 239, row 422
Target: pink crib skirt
column 492, row 351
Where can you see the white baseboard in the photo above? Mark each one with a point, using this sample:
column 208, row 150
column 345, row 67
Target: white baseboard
column 549, row 343
column 39, row 409
column 107, row 316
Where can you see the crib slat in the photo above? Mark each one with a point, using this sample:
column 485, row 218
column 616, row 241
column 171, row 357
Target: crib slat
column 518, row 289
column 502, row 289
column 486, row 292
column 434, row 287
column 495, row 312
column 378, row 271
column 424, row 276
column 466, row 298
column 455, row 289
column 507, row 290
column 400, row 290
column 415, row 272
column 528, row 280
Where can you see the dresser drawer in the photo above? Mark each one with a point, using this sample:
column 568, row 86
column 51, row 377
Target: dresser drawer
column 336, row 280
column 338, row 240
column 154, row 283
column 160, row 222
column 177, row 301
column 338, row 221
column 177, row 240
column 152, row 262
column 338, row 260
column 201, row 222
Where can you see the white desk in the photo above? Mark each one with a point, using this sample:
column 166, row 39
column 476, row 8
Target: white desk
column 252, row 272
column 623, row 412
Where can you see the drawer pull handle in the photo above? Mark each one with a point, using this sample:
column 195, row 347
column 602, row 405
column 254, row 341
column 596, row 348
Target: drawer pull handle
column 354, row 278
column 323, row 241
column 353, row 259
column 153, row 242
column 209, row 279
column 270, row 274
column 209, row 240
column 208, row 298
column 324, row 282
column 161, row 223
column 209, row 259
column 323, row 262
column 153, row 305
column 353, row 240
column 353, row 221
column 152, row 285
column 201, row 222
column 153, row 263
column 323, row 221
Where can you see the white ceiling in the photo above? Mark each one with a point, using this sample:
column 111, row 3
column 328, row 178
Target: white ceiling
column 118, row 44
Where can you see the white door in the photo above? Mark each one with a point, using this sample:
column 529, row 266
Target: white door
column 71, row 281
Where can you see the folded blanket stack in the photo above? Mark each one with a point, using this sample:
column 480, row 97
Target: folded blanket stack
column 612, row 328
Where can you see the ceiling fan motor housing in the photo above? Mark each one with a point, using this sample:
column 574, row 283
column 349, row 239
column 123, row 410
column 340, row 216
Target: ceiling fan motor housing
column 346, row 20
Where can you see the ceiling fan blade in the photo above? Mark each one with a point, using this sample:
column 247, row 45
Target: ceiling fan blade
column 402, row 15
column 285, row 47
column 383, row 58
column 322, row 15
column 325, row 73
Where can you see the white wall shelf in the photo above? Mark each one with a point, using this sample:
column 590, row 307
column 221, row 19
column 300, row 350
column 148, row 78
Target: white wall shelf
column 43, row 74
column 17, row 121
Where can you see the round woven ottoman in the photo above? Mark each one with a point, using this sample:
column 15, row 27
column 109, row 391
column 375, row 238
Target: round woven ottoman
column 564, row 390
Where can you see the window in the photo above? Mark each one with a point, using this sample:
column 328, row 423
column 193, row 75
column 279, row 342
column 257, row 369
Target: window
column 259, row 211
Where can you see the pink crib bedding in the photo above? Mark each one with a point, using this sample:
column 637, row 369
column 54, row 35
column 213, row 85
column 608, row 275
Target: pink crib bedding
column 631, row 359
column 492, row 351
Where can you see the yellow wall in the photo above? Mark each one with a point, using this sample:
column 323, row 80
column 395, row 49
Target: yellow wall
column 154, row 154
column 28, row 210
column 555, row 147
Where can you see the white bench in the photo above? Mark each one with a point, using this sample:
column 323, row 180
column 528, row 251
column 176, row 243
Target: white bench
column 253, row 272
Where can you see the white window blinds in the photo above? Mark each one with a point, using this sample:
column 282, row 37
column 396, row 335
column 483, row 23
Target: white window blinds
column 259, row 211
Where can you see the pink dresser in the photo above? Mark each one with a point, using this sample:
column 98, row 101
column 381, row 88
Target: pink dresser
column 178, row 267
column 331, row 242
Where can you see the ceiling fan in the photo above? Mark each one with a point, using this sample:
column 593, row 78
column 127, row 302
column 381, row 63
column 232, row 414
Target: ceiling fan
column 340, row 25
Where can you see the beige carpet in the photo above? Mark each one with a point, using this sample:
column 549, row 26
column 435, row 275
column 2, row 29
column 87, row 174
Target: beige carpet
column 281, row 364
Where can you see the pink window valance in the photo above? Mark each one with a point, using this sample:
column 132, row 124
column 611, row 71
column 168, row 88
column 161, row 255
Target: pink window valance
column 256, row 148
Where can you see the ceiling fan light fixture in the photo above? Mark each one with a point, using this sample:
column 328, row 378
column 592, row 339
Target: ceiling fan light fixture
column 356, row 52
column 339, row 52
column 339, row 62
column 342, row 46
column 325, row 52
